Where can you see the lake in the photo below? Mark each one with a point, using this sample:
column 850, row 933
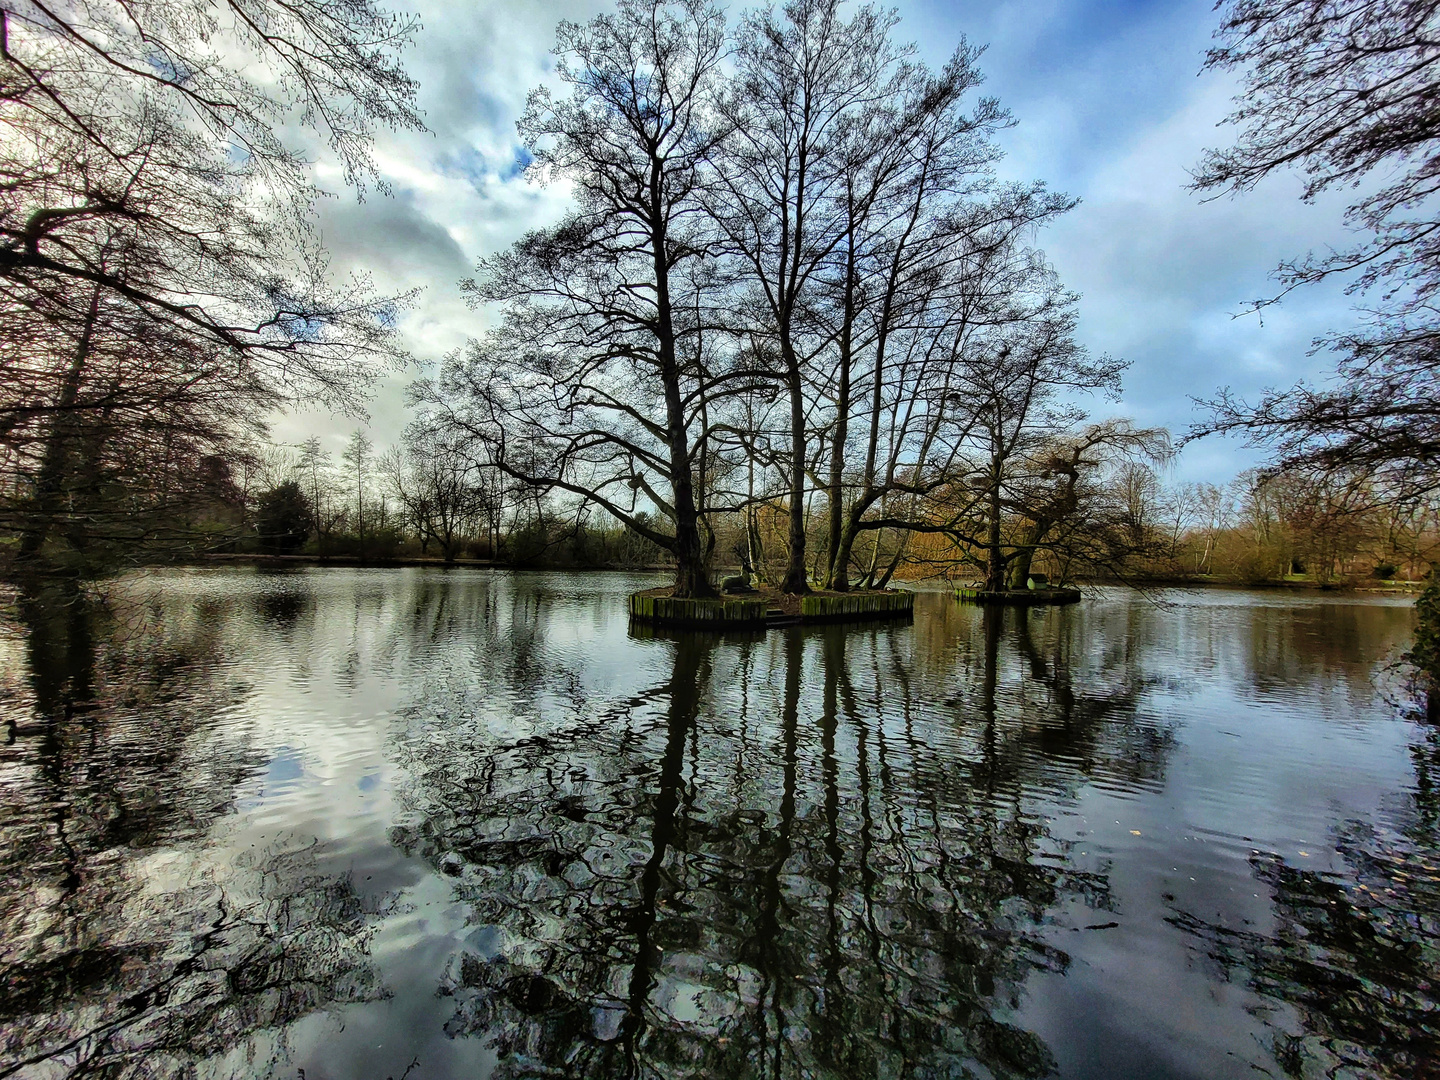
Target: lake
column 417, row 823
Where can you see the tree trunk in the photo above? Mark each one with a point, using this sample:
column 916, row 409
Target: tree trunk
column 755, row 545
column 85, row 465
column 360, row 508
column 838, row 577
column 796, row 579
column 1024, row 555
column 995, row 561
column 1020, row 567
column 890, row 569
column 691, row 576
column 840, row 568
column 844, row 545
column 52, row 478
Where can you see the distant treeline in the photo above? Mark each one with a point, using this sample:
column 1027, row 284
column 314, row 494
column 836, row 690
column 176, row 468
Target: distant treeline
column 421, row 500
column 416, row 501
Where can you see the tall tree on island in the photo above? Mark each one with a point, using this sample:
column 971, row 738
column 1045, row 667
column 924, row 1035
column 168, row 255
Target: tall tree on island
column 595, row 383
column 1345, row 91
column 805, row 77
column 908, row 161
column 937, row 271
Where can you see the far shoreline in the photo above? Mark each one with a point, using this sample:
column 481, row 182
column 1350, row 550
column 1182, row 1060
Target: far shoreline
column 1377, row 587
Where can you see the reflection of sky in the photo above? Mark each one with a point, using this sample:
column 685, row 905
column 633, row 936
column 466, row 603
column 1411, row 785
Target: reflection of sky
column 1110, row 109
column 380, row 705
column 279, row 776
column 284, row 766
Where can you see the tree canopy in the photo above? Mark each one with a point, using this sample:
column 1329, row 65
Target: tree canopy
column 1343, row 91
column 160, row 282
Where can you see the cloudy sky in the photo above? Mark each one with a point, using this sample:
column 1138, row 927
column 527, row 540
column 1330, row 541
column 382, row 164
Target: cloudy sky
column 1110, row 105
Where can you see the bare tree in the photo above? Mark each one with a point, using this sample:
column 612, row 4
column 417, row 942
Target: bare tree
column 1213, row 512
column 594, row 384
column 441, row 489
column 316, row 474
column 1092, row 500
column 909, row 159
column 118, row 435
column 789, row 283
column 1025, row 386
column 949, row 277
column 156, row 259
column 981, row 404
column 359, row 456
column 1344, row 90
column 805, row 75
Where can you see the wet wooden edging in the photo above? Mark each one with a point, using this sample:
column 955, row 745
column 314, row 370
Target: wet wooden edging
column 758, row 614
column 877, row 605
column 700, row 614
column 1019, row 597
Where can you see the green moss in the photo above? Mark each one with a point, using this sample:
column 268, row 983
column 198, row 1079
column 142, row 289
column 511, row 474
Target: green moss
column 681, row 612
column 857, row 606
column 1020, row 597
column 1424, row 654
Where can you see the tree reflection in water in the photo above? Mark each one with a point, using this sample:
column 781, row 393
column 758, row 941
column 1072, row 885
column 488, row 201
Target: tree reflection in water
column 780, row 861
column 1355, row 952
column 882, row 850
column 123, row 950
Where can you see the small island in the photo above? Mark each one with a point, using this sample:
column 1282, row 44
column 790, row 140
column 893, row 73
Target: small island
column 1036, row 590
column 742, row 606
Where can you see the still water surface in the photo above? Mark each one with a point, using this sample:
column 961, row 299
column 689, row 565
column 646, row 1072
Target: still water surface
column 408, row 822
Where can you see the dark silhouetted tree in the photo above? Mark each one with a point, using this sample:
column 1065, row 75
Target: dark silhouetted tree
column 160, row 285
column 283, row 518
column 593, row 384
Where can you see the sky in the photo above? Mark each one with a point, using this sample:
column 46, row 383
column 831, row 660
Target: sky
column 1110, row 106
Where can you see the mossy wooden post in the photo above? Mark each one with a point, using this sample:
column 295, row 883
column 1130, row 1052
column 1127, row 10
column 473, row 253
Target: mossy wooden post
column 1054, row 594
column 751, row 612
column 855, row 607
column 713, row 614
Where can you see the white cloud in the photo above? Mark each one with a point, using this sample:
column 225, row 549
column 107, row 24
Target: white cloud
column 1110, row 108
column 457, row 193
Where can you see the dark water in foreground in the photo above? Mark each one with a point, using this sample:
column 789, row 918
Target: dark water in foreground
column 359, row 823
